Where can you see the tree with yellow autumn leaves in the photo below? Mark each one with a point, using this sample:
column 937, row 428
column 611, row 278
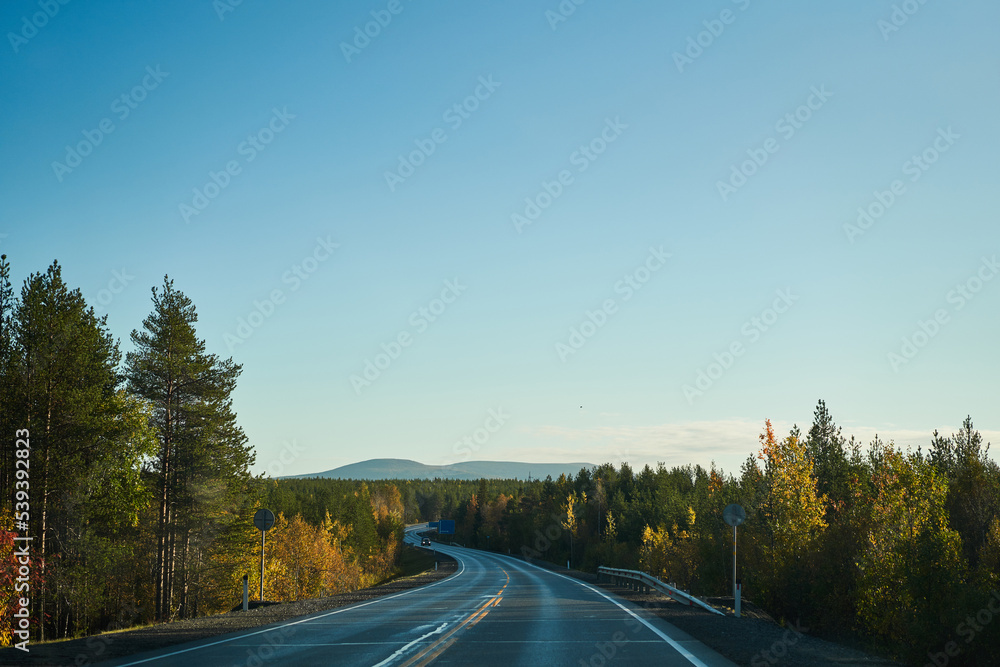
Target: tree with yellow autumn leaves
column 898, row 548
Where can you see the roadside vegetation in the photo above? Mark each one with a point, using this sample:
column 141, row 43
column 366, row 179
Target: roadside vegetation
column 134, row 482
column 139, row 502
column 896, row 550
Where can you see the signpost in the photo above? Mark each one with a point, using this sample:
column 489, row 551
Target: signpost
column 734, row 516
column 263, row 519
column 446, row 527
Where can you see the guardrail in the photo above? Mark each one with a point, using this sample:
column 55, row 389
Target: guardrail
column 643, row 579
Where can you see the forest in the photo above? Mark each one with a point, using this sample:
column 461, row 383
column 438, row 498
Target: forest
column 125, row 491
column 131, row 475
column 895, row 550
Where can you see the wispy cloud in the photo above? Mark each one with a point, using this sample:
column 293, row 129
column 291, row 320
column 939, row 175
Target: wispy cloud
column 726, row 442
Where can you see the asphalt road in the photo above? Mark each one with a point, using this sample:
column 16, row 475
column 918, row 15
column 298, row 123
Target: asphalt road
column 494, row 610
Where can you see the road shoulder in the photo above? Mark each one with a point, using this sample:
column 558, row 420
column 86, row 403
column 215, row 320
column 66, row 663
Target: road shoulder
column 754, row 640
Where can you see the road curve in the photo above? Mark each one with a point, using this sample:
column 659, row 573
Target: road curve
column 494, row 610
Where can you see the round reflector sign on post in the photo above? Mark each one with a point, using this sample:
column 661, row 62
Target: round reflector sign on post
column 733, row 515
column 263, row 519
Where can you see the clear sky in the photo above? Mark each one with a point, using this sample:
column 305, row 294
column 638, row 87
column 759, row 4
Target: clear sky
column 631, row 230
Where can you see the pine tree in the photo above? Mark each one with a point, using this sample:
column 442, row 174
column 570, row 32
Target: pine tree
column 8, row 380
column 825, row 447
column 973, row 485
column 201, row 467
column 65, row 389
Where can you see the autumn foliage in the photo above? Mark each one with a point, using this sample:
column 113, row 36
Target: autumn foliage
column 896, row 548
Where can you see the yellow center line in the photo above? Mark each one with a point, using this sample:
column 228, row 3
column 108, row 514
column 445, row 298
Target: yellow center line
column 432, row 652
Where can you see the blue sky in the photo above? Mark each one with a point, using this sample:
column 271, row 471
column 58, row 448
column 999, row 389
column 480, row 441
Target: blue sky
column 601, row 213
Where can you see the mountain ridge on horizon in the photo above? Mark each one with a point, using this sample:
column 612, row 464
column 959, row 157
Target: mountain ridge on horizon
column 378, row 469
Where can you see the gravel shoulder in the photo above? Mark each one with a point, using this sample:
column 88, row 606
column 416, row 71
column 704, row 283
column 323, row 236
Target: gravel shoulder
column 755, row 639
column 111, row 645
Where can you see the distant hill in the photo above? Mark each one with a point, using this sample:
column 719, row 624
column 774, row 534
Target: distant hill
column 406, row 469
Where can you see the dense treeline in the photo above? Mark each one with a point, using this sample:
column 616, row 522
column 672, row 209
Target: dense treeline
column 131, row 477
column 340, row 537
column 901, row 549
column 423, row 500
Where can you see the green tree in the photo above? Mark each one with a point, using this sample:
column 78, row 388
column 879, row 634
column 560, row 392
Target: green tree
column 201, row 467
column 825, row 448
column 9, row 382
column 911, row 560
column 66, row 381
column 973, row 485
column 87, row 437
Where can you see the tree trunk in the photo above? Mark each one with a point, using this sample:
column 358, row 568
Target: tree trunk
column 185, row 575
column 162, row 555
column 161, row 543
column 171, row 570
column 45, row 509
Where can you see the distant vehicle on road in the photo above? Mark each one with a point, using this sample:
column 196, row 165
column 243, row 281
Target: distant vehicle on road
column 425, row 542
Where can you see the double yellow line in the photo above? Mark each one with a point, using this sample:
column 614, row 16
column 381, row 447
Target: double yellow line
column 431, row 653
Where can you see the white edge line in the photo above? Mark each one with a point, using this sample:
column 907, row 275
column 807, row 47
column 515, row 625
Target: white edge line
column 304, row 620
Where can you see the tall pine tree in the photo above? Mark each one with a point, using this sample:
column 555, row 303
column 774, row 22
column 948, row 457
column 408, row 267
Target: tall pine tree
column 201, row 469
column 62, row 385
column 825, row 447
column 8, row 420
column 973, row 485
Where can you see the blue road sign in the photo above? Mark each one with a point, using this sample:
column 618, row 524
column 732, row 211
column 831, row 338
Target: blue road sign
column 446, row 527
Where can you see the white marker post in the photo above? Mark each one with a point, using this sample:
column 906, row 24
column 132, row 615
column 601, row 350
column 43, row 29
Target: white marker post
column 734, row 516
